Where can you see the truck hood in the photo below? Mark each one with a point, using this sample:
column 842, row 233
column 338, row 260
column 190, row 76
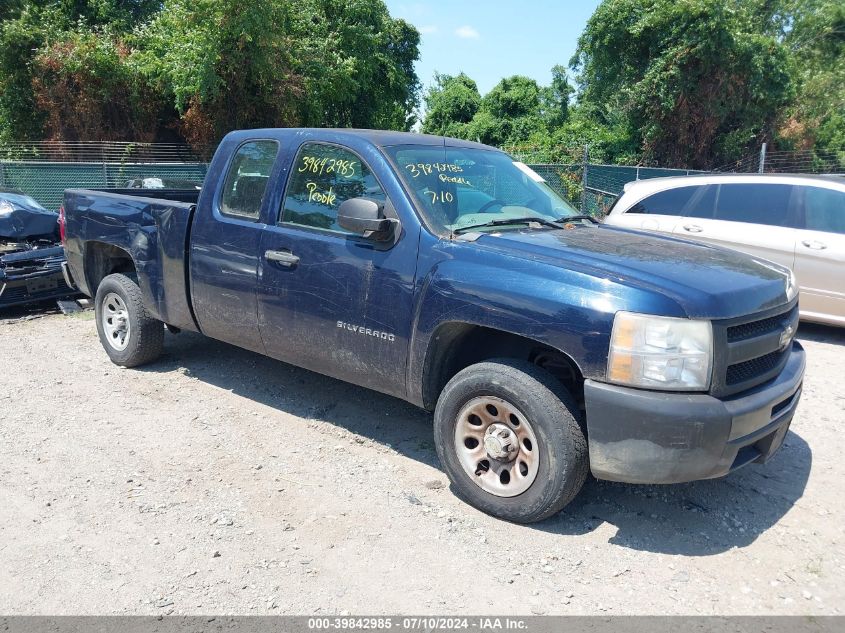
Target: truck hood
column 706, row 281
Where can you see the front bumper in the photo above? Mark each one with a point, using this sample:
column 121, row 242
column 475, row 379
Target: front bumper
column 14, row 292
column 31, row 276
column 641, row 436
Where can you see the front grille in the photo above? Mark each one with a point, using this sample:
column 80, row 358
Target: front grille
column 13, row 295
column 750, row 369
column 749, row 351
column 759, row 328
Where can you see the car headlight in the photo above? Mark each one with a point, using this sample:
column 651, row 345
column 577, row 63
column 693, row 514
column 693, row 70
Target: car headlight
column 657, row 352
column 791, row 286
column 6, row 207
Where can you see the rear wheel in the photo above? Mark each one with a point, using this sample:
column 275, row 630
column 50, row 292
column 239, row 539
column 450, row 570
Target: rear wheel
column 507, row 434
column 130, row 336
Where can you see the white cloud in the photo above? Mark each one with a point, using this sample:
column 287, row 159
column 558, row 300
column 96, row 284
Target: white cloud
column 467, row 33
column 429, row 29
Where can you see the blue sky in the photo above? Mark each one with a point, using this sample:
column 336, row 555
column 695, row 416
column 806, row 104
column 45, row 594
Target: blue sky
column 492, row 39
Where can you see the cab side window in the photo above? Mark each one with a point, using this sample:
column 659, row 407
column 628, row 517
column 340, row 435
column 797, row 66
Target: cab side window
column 824, row 210
column 669, row 202
column 322, row 177
column 246, row 181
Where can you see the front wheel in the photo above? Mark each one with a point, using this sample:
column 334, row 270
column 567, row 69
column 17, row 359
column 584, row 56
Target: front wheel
column 130, row 336
column 508, row 437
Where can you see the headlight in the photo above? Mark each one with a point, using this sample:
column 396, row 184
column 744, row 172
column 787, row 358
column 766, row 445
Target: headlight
column 791, row 286
column 6, row 207
column 660, row 352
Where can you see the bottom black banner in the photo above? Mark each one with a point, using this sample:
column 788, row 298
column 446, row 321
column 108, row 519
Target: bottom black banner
column 426, row 623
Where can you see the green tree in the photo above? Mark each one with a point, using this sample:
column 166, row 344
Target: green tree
column 141, row 69
column 222, row 64
column 817, row 39
column 513, row 97
column 20, row 118
column 555, row 98
column 451, row 103
column 516, row 111
column 42, row 46
column 701, row 81
column 509, row 114
column 87, row 90
column 358, row 63
column 228, row 64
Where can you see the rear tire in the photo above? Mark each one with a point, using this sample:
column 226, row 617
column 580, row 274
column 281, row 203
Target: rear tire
column 515, row 401
column 130, row 336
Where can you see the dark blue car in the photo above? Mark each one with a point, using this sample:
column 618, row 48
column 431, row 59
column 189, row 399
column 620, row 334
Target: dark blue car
column 31, row 256
column 446, row 273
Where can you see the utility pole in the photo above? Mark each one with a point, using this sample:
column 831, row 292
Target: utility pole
column 762, row 167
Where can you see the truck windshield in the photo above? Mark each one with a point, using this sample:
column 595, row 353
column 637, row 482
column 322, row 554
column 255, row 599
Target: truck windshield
column 461, row 188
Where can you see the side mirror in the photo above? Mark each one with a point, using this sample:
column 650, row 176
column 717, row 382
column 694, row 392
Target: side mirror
column 365, row 217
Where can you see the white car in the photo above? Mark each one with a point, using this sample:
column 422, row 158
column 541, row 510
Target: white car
column 797, row 221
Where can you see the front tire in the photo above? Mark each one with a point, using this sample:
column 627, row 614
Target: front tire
column 130, row 336
column 508, row 437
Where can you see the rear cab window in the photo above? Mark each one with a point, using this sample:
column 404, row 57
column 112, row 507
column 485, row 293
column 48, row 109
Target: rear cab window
column 322, row 177
column 247, row 179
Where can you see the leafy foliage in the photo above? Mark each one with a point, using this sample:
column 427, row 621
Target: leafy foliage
column 696, row 84
column 817, row 39
column 110, row 101
column 451, row 103
column 513, row 109
column 701, row 81
column 146, row 69
column 692, row 83
column 555, row 98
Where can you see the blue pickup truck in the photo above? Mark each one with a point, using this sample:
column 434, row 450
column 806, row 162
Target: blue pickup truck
column 445, row 273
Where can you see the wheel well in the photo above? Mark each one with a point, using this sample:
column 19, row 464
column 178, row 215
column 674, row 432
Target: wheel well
column 456, row 346
column 102, row 260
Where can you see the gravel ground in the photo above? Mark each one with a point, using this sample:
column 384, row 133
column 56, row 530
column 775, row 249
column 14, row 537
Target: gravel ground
column 220, row 481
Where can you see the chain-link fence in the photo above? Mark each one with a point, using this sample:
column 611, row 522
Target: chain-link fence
column 44, row 170
column 594, row 188
column 47, row 181
column 768, row 161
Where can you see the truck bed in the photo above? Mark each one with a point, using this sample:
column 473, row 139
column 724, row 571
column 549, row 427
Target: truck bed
column 153, row 227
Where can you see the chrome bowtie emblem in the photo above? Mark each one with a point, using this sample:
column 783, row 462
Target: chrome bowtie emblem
column 786, row 336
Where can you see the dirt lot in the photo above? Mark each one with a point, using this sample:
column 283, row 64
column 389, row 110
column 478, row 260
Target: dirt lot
column 219, row 481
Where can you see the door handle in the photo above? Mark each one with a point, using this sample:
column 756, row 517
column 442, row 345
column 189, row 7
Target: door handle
column 692, row 228
column 815, row 245
column 283, row 258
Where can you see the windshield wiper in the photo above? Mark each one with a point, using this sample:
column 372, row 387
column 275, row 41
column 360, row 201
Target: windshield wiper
column 506, row 221
column 555, row 224
column 569, row 218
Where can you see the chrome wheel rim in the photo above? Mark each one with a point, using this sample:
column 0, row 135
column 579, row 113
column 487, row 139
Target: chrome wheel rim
column 115, row 319
column 496, row 446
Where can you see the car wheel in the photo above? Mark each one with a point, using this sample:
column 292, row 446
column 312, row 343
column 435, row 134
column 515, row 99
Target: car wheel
column 508, row 436
column 130, row 336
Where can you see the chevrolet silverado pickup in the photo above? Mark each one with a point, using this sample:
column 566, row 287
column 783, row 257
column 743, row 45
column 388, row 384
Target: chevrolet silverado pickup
column 448, row 274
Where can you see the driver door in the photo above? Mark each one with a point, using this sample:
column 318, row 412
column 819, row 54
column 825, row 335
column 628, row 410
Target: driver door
column 330, row 301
